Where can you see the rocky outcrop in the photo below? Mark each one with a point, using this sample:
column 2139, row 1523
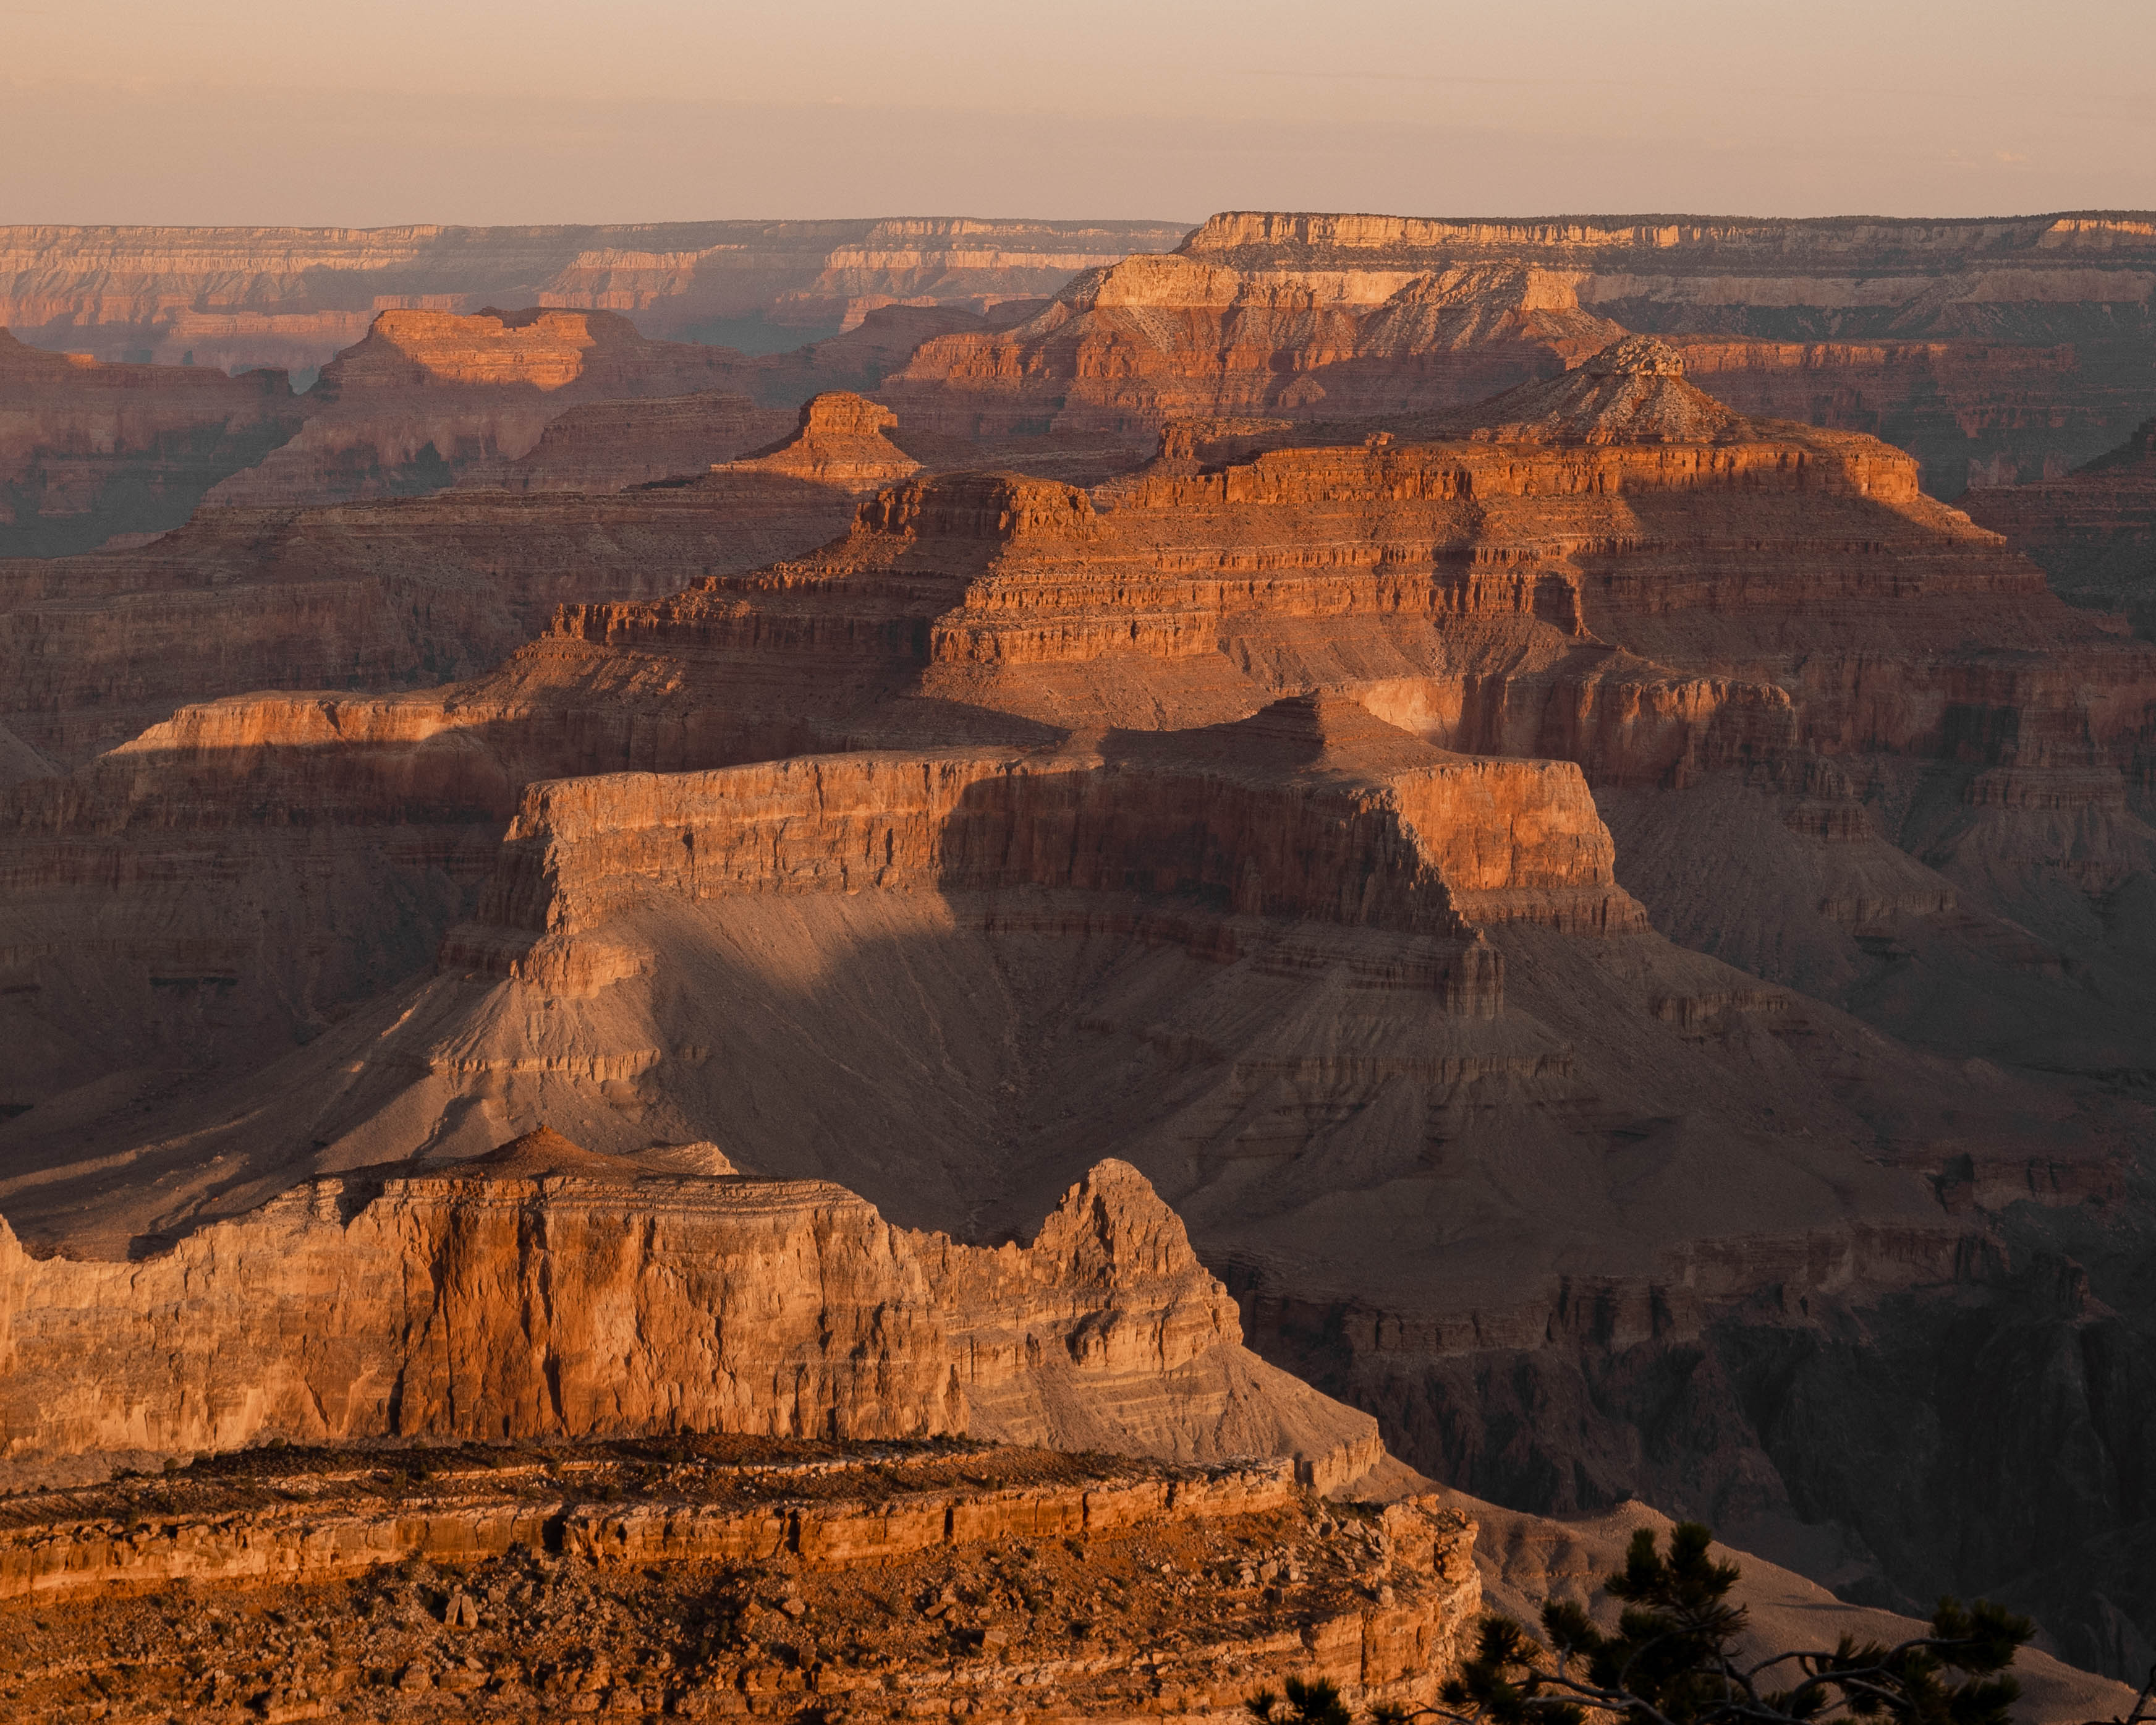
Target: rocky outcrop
column 1312, row 810
column 384, row 596
column 1972, row 412
column 704, row 1577
column 2092, row 530
column 90, row 451
column 841, row 440
column 545, row 1291
column 293, row 296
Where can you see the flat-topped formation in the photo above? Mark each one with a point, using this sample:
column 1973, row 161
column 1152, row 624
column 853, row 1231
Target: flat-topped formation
column 1982, row 346
column 428, row 395
column 1252, row 812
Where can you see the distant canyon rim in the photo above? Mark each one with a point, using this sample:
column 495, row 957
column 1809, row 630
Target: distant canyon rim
column 1536, row 839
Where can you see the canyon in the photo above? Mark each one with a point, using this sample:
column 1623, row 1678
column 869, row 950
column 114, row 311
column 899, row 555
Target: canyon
column 1990, row 350
column 291, row 297
column 1617, row 919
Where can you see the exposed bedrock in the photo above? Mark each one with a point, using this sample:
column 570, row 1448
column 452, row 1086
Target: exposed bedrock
column 1611, row 570
column 1988, row 349
column 544, row 1290
column 1251, row 814
column 1896, row 1416
column 429, row 395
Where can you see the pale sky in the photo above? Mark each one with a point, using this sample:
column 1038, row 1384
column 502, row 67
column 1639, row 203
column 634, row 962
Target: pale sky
column 299, row 111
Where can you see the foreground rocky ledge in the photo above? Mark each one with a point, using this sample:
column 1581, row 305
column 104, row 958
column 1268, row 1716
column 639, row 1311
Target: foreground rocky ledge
column 709, row 1577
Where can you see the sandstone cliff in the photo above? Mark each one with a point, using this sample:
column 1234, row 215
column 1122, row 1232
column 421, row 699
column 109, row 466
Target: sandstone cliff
column 429, row 394
column 698, row 1577
column 544, row 1290
column 611, row 445
column 1123, row 348
column 386, row 596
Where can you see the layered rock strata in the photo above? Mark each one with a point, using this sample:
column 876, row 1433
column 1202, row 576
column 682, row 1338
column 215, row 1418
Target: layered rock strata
column 429, row 395
column 1986, row 348
column 543, row 1291
column 293, row 296
column 1122, row 349
column 611, row 445
column 383, row 596
column 90, row 451
column 737, row 1578
column 1028, row 818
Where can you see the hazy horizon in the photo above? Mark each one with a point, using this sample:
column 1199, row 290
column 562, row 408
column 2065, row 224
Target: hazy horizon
column 241, row 112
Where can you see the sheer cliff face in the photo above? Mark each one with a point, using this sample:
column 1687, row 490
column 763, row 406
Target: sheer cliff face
column 1986, row 348
column 292, row 297
column 90, row 451
column 543, row 1291
column 1612, row 572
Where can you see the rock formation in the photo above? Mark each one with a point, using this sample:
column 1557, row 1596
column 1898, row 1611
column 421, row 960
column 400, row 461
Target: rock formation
column 2093, row 531
column 391, row 595
column 1983, row 347
column 1252, row 812
column 293, row 296
column 541, row 1291
column 611, row 445
column 90, row 451
column 1124, row 348
column 701, row 1577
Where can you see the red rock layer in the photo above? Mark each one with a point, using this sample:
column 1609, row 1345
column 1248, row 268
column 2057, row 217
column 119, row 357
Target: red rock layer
column 1122, row 349
column 1972, row 412
column 611, row 445
column 2020, row 345
column 577, row 1295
